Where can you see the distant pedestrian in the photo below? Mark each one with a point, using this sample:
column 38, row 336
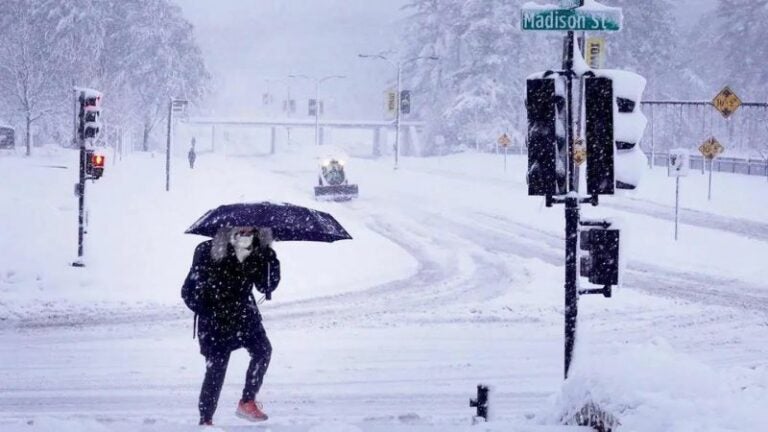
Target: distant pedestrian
column 218, row 289
column 192, row 155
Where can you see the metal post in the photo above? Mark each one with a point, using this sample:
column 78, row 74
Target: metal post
column 81, row 208
column 168, row 148
column 397, row 116
column 80, row 197
column 213, row 138
column 317, row 112
column 571, row 215
column 709, row 190
column 677, row 205
column 653, row 143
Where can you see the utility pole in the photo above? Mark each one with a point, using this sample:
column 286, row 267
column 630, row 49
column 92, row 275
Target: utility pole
column 398, row 115
column 317, row 82
column 174, row 105
column 168, row 147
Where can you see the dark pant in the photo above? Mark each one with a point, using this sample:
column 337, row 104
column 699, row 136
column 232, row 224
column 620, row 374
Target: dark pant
column 259, row 348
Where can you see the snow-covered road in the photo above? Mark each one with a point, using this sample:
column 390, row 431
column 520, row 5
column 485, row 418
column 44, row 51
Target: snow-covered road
column 454, row 278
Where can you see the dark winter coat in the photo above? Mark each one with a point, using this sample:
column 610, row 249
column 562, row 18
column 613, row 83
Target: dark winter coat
column 220, row 294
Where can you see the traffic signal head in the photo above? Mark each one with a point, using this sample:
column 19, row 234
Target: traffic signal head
column 600, row 262
column 90, row 111
column 613, row 116
column 405, row 102
column 94, row 164
column 546, row 141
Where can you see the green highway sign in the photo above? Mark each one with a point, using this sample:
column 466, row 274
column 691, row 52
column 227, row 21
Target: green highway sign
column 544, row 18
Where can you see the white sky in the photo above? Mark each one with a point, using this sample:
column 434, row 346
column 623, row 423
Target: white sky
column 248, row 41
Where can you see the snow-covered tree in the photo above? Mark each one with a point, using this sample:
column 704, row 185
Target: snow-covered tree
column 139, row 53
column 29, row 84
column 648, row 45
column 740, row 36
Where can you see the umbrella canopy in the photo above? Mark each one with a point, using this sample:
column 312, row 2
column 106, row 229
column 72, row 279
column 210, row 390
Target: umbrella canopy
column 288, row 222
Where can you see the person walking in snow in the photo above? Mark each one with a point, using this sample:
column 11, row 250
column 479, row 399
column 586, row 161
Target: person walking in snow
column 192, row 155
column 218, row 289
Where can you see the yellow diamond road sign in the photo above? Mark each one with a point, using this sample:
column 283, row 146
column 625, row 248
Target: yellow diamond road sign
column 726, row 102
column 711, row 148
column 579, row 152
column 504, row 140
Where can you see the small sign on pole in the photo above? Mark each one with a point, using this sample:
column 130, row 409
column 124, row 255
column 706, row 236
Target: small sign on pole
column 595, row 52
column 679, row 163
column 504, row 142
column 710, row 150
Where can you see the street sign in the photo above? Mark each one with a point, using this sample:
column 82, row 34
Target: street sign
column 391, row 102
column 595, row 52
column 504, row 140
column 545, row 18
column 570, row 4
column 178, row 105
column 711, row 148
column 579, row 152
column 679, row 163
column 726, row 102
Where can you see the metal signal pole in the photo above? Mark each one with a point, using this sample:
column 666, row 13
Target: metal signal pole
column 168, row 148
column 571, row 213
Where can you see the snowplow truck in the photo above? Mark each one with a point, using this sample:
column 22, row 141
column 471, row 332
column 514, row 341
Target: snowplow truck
column 332, row 182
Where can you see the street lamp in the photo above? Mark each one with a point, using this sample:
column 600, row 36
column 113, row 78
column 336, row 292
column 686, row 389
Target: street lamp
column 317, row 82
column 399, row 67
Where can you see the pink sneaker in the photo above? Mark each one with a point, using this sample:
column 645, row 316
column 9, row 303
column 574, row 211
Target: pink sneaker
column 251, row 410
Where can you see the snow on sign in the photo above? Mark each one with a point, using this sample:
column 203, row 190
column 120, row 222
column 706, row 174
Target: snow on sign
column 590, row 17
column 726, row 102
column 504, row 140
column 711, row 148
column 679, row 163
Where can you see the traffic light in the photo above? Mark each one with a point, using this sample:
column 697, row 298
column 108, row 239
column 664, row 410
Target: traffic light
column 405, row 102
column 90, row 110
column 613, row 129
column 94, row 164
column 600, row 263
column 546, row 141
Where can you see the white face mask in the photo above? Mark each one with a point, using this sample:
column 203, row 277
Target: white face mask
column 243, row 242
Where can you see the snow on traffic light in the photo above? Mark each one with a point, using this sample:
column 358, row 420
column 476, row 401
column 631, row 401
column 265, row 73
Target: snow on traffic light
column 614, row 125
column 90, row 111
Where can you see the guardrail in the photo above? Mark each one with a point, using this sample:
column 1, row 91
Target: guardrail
column 755, row 167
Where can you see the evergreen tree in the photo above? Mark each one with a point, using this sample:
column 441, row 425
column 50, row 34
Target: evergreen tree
column 648, row 45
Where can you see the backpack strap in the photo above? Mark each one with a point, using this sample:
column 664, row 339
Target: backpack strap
column 194, row 326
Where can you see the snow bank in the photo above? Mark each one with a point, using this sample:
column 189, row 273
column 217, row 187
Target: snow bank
column 653, row 388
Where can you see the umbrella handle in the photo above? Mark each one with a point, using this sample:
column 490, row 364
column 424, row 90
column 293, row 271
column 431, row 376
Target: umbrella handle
column 268, row 295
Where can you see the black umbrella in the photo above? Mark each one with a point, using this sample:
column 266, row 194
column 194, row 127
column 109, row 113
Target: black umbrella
column 288, row 222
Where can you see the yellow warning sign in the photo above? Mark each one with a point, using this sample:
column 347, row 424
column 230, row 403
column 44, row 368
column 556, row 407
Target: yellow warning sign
column 711, row 148
column 579, row 152
column 726, row 102
column 504, row 140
